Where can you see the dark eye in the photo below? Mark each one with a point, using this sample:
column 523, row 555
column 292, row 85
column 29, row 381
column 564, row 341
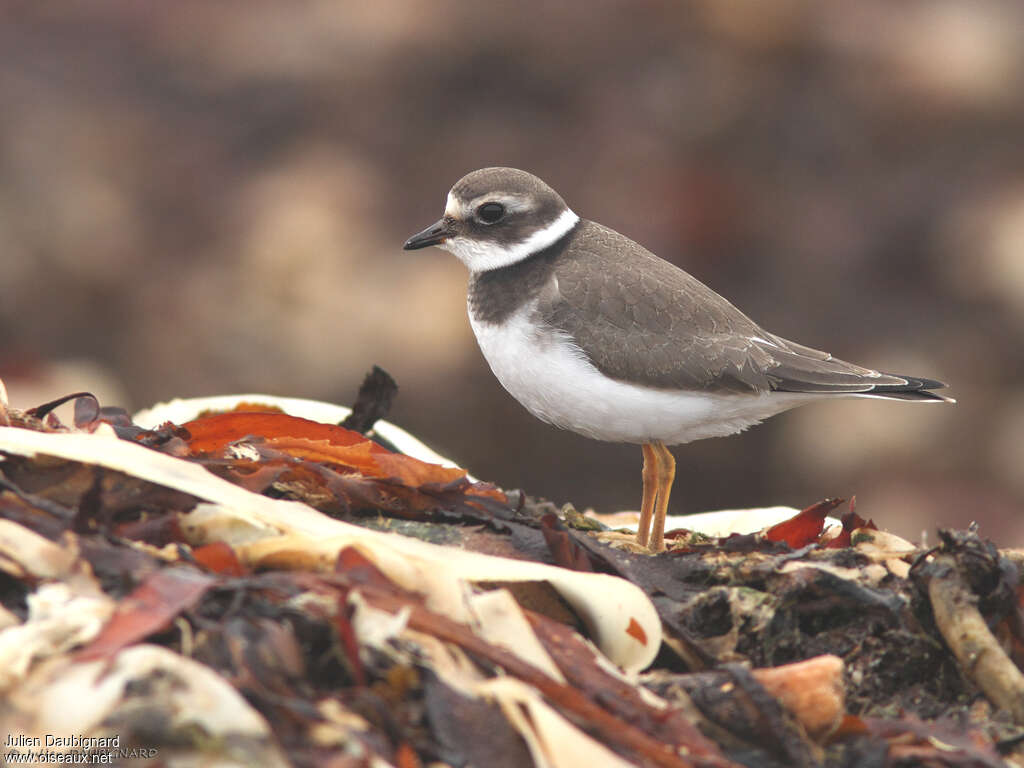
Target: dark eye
column 489, row 213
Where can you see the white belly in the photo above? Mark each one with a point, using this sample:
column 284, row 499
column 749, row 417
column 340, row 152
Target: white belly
column 552, row 378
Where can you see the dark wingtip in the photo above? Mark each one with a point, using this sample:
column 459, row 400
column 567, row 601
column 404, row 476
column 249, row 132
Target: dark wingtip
column 925, row 383
column 915, row 389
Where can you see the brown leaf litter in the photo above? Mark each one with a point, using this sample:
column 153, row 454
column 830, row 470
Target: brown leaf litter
column 254, row 588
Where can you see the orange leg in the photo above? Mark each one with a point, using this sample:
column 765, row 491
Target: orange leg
column 650, row 476
column 666, row 476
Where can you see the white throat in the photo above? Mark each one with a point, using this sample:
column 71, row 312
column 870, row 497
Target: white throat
column 483, row 256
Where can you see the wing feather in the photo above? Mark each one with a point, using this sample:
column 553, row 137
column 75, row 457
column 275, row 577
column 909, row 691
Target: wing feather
column 646, row 321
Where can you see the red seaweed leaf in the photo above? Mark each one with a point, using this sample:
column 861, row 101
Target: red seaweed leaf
column 213, row 433
column 219, row 557
column 851, row 522
column 566, row 552
column 276, row 435
column 150, row 608
column 804, row 528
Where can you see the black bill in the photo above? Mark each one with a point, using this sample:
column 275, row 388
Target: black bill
column 432, row 235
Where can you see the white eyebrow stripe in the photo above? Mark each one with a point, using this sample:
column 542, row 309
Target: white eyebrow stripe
column 515, row 203
column 463, row 209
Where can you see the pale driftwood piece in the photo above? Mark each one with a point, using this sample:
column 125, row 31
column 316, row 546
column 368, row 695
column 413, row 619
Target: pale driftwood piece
column 968, row 636
column 811, row 690
column 4, row 405
column 1015, row 556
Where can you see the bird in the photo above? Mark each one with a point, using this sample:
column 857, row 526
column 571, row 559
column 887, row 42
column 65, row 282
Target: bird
column 593, row 333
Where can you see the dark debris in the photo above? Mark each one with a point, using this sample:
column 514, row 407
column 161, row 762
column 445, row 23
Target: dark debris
column 727, row 606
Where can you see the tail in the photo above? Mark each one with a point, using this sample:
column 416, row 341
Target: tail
column 796, row 368
column 912, row 389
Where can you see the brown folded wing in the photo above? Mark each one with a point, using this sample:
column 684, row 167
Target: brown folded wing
column 643, row 320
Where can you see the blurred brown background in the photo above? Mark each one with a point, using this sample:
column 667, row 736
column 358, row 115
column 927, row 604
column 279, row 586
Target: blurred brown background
column 202, row 198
